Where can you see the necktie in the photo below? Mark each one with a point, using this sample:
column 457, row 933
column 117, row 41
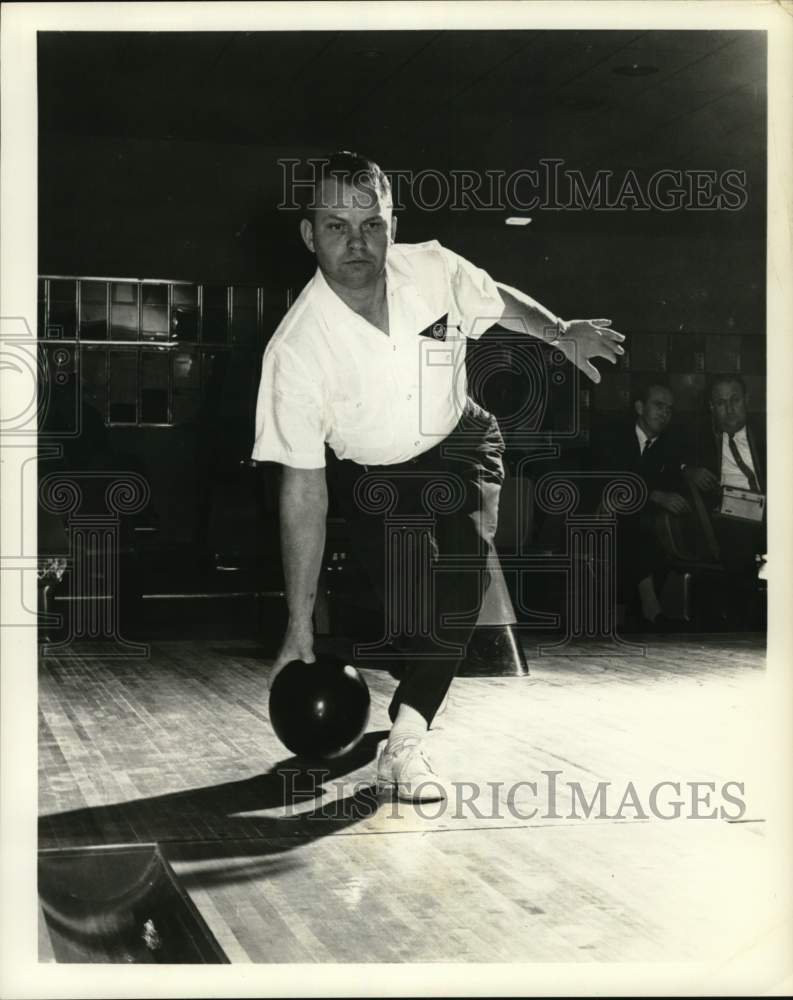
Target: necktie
column 647, row 443
column 750, row 476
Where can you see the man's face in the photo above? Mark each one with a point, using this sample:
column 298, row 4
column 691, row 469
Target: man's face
column 728, row 406
column 350, row 234
column 656, row 410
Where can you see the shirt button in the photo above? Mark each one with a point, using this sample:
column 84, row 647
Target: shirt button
column 410, row 396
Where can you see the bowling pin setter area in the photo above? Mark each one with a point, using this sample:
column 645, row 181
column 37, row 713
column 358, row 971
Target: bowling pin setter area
column 175, row 826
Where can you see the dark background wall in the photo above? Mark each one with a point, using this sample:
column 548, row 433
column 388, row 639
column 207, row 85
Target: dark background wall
column 159, row 159
column 205, row 211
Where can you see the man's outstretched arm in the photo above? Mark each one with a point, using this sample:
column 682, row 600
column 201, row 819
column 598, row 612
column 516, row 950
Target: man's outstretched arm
column 304, row 509
column 580, row 340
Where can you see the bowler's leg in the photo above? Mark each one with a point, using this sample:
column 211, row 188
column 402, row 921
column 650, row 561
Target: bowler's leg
column 460, row 578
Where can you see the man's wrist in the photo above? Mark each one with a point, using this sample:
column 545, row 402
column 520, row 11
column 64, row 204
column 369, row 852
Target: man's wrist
column 557, row 331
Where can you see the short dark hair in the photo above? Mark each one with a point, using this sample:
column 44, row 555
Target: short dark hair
column 642, row 389
column 350, row 168
column 725, row 378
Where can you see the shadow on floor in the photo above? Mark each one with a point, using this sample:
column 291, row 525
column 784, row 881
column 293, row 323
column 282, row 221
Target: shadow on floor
column 223, row 821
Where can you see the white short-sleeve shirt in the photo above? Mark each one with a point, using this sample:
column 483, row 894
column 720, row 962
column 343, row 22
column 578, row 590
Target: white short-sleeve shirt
column 731, row 474
column 328, row 375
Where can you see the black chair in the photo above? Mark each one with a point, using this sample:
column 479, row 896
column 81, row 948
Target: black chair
column 692, row 550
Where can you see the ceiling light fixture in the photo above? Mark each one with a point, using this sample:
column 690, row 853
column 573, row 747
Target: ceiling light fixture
column 635, row 69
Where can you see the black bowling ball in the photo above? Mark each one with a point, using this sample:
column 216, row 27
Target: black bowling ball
column 319, row 709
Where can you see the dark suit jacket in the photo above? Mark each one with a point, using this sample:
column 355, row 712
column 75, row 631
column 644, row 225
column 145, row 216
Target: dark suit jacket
column 703, row 448
column 617, row 450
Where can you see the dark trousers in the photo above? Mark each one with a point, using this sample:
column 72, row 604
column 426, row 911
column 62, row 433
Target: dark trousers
column 639, row 552
column 422, row 530
column 739, row 543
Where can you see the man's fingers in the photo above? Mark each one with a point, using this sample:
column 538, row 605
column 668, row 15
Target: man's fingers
column 605, row 350
column 603, row 327
column 591, row 372
column 608, row 350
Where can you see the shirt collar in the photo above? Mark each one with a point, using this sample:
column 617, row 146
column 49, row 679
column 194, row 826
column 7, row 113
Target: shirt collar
column 332, row 308
column 336, row 310
column 642, row 437
column 398, row 272
column 738, row 436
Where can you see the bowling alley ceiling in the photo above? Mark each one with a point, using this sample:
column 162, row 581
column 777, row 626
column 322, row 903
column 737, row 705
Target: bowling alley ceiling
column 414, row 99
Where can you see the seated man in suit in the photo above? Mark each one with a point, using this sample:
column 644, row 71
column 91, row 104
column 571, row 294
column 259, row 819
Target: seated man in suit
column 726, row 452
column 644, row 446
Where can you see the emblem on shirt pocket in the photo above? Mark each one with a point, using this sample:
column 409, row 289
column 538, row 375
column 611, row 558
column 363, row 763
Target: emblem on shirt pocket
column 437, row 329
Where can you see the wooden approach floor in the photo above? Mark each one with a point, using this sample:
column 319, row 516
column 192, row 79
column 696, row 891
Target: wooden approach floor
column 177, row 749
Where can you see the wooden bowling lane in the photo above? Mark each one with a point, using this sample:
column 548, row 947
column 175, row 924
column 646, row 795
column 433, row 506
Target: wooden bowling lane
column 176, row 749
column 512, row 895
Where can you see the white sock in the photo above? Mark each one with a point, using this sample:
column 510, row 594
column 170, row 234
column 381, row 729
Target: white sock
column 409, row 729
column 651, row 606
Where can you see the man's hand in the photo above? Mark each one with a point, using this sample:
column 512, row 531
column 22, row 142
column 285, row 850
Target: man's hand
column 583, row 339
column 298, row 644
column 672, row 502
column 702, row 478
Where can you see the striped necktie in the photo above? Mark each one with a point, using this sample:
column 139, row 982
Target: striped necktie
column 750, row 476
